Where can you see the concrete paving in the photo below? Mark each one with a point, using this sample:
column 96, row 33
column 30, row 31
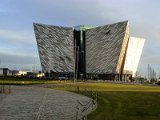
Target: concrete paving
column 36, row 103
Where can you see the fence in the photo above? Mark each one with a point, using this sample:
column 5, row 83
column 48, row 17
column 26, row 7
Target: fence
column 4, row 91
column 84, row 109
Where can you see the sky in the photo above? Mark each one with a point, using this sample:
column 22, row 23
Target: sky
column 18, row 49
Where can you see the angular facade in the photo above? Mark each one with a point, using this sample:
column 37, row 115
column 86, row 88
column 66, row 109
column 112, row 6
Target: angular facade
column 106, row 47
column 56, row 47
column 134, row 51
column 85, row 51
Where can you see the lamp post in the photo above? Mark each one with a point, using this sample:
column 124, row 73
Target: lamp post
column 74, row 61
column 77, row 61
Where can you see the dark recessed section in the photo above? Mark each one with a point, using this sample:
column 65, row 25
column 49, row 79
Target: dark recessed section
column 108, row 32
column 68, row 58
column 61, row 58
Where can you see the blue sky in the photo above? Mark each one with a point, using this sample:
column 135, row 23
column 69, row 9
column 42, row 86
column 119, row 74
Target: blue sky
column 17, row 41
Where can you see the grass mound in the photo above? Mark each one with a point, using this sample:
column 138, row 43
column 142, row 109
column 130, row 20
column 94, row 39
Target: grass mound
column 121, row 101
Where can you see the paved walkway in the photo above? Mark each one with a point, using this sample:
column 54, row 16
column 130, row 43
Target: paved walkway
column 36, row 103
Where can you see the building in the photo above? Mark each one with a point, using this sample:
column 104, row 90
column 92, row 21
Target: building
column 21, row 73
column 89, row 52
column 5, row 72
column 134, row 51
column 105, row 50
column 56, row 49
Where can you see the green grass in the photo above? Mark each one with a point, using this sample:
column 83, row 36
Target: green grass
column 122, row 102
column 9, row 82
column 109, row 87
column 27, row 81
column 127, row 106
column 115, row 101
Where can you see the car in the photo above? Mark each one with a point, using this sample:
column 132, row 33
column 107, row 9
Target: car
column 63, row 78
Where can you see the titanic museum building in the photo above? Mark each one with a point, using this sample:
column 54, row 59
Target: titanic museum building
column 88, row 52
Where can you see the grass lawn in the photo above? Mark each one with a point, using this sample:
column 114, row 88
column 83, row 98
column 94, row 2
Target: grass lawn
column 27, row 81
column 122, row 102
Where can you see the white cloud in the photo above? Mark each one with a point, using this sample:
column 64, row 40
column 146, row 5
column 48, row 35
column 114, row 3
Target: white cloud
column 143, row 18
column 17, row 36
column 19, row 51
column 17, row 42
column 14, row 60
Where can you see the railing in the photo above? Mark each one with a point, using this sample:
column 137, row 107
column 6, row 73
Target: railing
column 84, row 109
column 4, row 90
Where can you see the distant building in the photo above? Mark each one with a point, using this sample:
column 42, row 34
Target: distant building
column 15, row 72
column 31, row 75
column 40, row 75
column 21, row 73
column 5, row 72
column 87, row 52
